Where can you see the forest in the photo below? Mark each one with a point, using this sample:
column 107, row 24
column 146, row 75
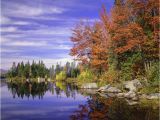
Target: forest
column 31, row 71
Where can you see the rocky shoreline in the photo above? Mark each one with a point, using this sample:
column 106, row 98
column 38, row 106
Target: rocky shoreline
column 131, row 93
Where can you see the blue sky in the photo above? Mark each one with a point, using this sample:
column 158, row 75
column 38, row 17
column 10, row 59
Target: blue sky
column 41, row 29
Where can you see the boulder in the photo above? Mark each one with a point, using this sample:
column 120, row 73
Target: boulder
column 130, row 102
column 109, row 89
column 133, row 85
column 120, row 95
column 113, row 90
column 89, row 86
column 130, row 95
column 153, row 96
column 104, row 88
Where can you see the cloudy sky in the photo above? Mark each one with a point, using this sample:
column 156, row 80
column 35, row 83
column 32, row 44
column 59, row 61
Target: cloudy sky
column 41, row 29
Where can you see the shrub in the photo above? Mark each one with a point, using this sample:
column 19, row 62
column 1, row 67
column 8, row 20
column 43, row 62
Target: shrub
column 152, row 74
column 110, row 76
column 61, row 76
column 86, row 76
column 126, row 71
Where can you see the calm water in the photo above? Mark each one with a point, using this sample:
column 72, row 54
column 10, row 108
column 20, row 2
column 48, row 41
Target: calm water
column 62, row 101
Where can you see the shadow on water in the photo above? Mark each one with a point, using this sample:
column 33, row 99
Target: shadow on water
column 95, row 106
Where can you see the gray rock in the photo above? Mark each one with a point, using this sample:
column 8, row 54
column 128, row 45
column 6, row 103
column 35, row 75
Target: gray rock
column 89, row 86
column 104, row 88
column 135, row 98
column 130, row 95
column 111, row 94
column 113, row 90
column 130, row 102
column 153, row 96
column 120, row 95
column 133, row 85
column 109, row 89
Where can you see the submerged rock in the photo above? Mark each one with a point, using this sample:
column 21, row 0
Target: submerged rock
column 133, row 85
column 89, row 86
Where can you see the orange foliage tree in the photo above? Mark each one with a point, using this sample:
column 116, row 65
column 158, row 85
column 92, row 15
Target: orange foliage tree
column 130, row 29
column 90, row 46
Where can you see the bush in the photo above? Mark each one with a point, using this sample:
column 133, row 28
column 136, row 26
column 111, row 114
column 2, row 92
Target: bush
column 86, row 76
column 152, row 74
column 61, row 76
column 110, row 76
column 126, row 72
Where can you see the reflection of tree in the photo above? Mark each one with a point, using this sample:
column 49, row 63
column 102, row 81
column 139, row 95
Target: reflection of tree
column 98, row 108
column 28, row 89
column 80, row 114
column 68, row 89
column 34, row 89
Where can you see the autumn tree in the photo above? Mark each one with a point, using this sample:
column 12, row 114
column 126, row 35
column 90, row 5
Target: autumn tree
column 98, row 48
column 81, row 38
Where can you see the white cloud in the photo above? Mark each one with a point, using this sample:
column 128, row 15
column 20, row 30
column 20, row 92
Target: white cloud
column 8, row 29
column 8, row 21
column 9, row 50
column 4, row 20
column 28, row 11
column 6, row 63
column 25, row 43
column 3, row 40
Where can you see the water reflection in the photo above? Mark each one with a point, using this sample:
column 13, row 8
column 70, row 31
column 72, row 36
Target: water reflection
column 38, row 90
column 99, row 108
column 87, row 106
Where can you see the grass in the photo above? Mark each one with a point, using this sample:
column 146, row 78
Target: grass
column 149, row 90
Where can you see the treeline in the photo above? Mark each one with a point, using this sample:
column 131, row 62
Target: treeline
column 35, row 70
column 122, row 44
column 28, row 70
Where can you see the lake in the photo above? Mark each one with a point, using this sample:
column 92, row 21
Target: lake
column 62, row 101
